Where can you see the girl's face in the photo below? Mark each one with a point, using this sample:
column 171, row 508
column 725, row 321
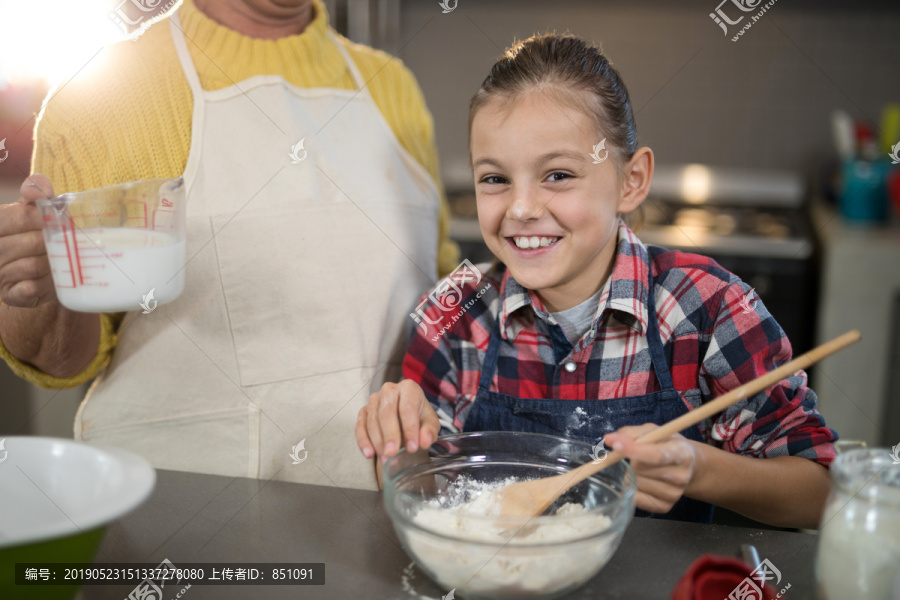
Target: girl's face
column 545, row 208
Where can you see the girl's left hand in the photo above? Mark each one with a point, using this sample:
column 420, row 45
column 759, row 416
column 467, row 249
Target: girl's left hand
column 664, row 469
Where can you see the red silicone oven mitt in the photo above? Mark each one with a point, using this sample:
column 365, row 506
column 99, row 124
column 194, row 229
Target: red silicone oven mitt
column 712, row 577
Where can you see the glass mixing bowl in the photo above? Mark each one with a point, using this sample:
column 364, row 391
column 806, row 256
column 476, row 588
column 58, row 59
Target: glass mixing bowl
column 486, row 557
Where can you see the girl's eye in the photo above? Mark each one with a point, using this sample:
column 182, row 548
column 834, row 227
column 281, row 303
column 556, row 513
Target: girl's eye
column 493, row 179
column 559, row 176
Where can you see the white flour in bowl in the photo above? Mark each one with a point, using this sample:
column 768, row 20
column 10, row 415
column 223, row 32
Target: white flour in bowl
column 548, row 555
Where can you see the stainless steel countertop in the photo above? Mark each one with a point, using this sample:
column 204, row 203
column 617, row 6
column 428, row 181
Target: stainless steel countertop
column 207, row 518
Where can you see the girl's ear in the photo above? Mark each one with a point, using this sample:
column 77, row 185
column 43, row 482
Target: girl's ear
column 637, row 174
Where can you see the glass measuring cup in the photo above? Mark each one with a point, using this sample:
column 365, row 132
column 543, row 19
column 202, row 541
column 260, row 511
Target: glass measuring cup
column 859, row 538
column 117, row 248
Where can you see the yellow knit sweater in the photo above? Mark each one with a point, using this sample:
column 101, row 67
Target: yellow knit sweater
column 127, row 116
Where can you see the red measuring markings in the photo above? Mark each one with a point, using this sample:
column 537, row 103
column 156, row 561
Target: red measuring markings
column 155, row 228
column 69, row 271
column 166, row 203
column 144, row 217
column 84, row 252
column 69, row 256
column 77, row 258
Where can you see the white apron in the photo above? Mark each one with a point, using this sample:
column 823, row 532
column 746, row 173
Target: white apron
column 297, row 290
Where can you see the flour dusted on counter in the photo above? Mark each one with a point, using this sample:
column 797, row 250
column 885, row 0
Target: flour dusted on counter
column 492, row 558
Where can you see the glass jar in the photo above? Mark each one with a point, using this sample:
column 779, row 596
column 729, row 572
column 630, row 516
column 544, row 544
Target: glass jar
column 859, row 534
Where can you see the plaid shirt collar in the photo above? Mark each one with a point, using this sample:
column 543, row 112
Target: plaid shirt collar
column 624, row 292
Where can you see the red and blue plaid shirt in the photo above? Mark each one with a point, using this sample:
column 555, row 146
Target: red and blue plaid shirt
column 716, row 334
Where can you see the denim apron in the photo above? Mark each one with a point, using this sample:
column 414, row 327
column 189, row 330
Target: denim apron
column 493, row 411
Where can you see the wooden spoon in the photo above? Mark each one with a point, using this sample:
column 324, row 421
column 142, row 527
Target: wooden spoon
column 532, row 498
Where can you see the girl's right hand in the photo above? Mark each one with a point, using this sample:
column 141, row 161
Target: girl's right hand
column 398, row 415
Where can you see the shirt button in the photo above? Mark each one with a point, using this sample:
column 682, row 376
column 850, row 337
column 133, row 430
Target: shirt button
column 569, row 367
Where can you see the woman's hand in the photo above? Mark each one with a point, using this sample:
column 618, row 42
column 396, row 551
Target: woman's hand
column 25, row 279
column 398, row 415
column 664, row 469
column 34, row 326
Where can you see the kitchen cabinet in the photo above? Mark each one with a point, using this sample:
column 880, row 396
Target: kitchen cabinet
column 860, row 289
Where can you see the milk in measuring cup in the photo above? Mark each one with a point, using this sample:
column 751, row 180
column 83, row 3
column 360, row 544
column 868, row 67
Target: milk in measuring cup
column 112, row 269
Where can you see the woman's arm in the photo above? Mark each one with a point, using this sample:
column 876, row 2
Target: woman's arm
column 34, row 327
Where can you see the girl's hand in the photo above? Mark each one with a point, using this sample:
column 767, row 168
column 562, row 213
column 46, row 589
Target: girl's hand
column 664, row 469
column 397, row 415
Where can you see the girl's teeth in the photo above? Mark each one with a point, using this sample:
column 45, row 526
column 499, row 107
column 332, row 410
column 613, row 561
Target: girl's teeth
column 534, row 242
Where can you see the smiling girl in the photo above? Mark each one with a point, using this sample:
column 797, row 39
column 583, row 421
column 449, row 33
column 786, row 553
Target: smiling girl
column 586, row 332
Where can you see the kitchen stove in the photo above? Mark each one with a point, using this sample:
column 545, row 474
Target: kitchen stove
column 754, row 223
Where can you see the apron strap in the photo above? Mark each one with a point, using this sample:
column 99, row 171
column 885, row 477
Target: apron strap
column 490, row 358
column 654, row 343
column 190, row 71
column 197, row 117
column 351, row 66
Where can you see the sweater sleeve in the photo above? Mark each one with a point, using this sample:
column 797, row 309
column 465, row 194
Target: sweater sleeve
column 83, row 141
column 54, row 151
column 108, row 325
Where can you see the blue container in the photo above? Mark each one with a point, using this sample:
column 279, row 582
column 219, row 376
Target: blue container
column 864, row 190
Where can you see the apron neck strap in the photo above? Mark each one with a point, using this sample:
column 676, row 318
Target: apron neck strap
column 351, row 66
column 654, row 343
column 490, row 357
column 190, row 71
column 184, row 56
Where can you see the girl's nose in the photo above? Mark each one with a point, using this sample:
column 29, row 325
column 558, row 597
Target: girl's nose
column 526, row 205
